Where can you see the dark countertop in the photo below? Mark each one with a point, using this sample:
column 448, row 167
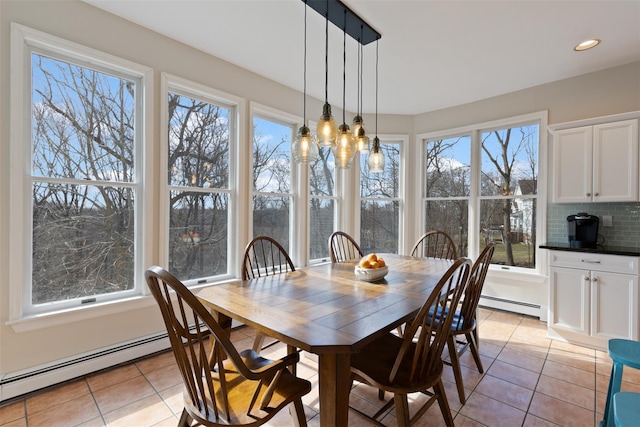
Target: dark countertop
column 600, row 249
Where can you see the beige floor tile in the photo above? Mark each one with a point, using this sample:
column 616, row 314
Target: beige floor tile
column 505, row 392
column 20, row 422
column 533, row 421
column 173, row 398
column 112, row 376
column 70, row 413
column 521, row 359
column 164, row 378
column 57, row 395
column 12, row 412
column 561, row 345
column 570, row 374
column 144, row 412
column 575, row 360
column 119, row 395
column 156, row 362
column 572, row 393
column 514, row 374
column 491, row 412
column 560, row 412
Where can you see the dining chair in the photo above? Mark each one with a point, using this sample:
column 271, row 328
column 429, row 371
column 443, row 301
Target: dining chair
column 265, row 256
column 465, row 319
column 623, row 352
column 626, row 409
column 413, row 363
column 435, row 244
column 221, row 385
column 343, row 247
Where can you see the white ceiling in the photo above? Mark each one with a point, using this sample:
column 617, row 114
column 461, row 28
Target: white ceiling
column 432, row 54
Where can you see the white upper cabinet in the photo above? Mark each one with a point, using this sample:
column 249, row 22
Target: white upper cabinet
column 596, row 163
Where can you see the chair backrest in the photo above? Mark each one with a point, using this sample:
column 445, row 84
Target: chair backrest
column 264, row 256
column 466, row 315
column 342, row 247
column 189, row 325
column 435, row 244
column 426, row 336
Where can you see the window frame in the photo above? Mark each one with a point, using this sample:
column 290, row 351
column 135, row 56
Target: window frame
column 402, row 142
column 236, row 105
column 475, row 131
column 298, row 211
column 24, row 42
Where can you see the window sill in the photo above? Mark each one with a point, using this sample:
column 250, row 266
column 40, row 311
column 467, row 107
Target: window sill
column 516, row 274
column 79, row 314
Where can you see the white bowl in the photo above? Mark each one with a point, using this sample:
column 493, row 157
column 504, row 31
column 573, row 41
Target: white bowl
column 370, row 274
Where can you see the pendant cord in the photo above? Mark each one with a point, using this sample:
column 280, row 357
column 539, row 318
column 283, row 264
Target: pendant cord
column 326, row 57
column 360, row 72
column 344, row 66
column 376, row 88
column 304, row 80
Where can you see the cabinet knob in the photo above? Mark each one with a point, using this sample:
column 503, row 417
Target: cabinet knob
column 597, row 194
column 586, row 278
column 588, row 194
column 594, row 279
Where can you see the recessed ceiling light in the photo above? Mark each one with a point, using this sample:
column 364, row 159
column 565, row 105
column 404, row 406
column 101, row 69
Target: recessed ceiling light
column 587, row 44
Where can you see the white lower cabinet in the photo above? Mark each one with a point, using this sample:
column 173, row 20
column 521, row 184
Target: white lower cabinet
column 593, row 297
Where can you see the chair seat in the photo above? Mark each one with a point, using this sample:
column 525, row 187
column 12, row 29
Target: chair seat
column 375, row 361
column 240, row 391
column 626, row 409
column 626, row 352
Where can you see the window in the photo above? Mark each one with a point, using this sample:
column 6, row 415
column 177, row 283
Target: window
column 481, row 185
column 80, row 195
column 380, row 202
column 322, row 204
column 201, row 130
column 272, row 180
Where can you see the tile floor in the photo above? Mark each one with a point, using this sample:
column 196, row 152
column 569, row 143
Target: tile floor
column 529, row 380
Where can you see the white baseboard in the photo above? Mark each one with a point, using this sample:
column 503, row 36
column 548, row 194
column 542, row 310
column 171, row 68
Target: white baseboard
column 519, row 307
column 23, row 382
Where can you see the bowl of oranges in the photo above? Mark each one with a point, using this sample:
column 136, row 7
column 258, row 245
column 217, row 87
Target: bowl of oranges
column 371, row 268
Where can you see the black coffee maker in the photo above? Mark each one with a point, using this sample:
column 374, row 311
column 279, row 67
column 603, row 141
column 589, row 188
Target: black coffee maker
column 583, row 230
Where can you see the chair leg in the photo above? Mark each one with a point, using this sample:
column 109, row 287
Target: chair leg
column 455, row 365
column 185, row 419
column 380, row 394
column 614, row 387
column 402, row 410
column 298, row 416
column 473, row 343
column 257, row 344
column 438, row 389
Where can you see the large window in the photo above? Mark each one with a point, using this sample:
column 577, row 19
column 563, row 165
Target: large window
column 198, row 174
column 481, row 186
column 380, row 202
column 272, row 181
column 79, row 218
column 322, row 204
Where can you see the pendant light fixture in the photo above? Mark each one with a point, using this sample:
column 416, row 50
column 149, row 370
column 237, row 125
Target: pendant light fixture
column 305, row 147
column 376, row 156
column 359, row 133
column 345, row 147
column 326, row 129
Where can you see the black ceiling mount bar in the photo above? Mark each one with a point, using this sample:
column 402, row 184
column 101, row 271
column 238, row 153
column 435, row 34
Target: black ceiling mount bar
column 356, row 27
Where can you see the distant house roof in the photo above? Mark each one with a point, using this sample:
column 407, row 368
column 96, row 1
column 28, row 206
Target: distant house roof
column 528, row 186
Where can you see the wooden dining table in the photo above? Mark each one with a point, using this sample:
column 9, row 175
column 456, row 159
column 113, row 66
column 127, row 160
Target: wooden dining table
column 327, row 311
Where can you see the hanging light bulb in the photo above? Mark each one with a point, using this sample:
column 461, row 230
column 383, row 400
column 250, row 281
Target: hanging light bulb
column 305, row 147
column 359, row 133
column 326, row 129
column 345, row 147
column 376, row 156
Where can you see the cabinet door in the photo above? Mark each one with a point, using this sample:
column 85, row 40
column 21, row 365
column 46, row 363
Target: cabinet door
column 572, row 165
column 615, row 161
column 614, row 305
column 569, row 299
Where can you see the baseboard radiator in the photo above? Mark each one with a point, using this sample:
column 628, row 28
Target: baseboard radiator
column 519, row 307
column 23, row 382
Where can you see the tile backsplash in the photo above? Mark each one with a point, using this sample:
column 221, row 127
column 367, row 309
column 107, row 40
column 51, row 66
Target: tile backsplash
column 625, row 229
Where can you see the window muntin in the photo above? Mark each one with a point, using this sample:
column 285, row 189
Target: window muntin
column 271, row 180
column 486, row 180
column 380, row 202
column 198, row 177
column 85, row 181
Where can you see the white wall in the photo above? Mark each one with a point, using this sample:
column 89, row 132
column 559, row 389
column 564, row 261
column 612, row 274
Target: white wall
column 602, row 93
